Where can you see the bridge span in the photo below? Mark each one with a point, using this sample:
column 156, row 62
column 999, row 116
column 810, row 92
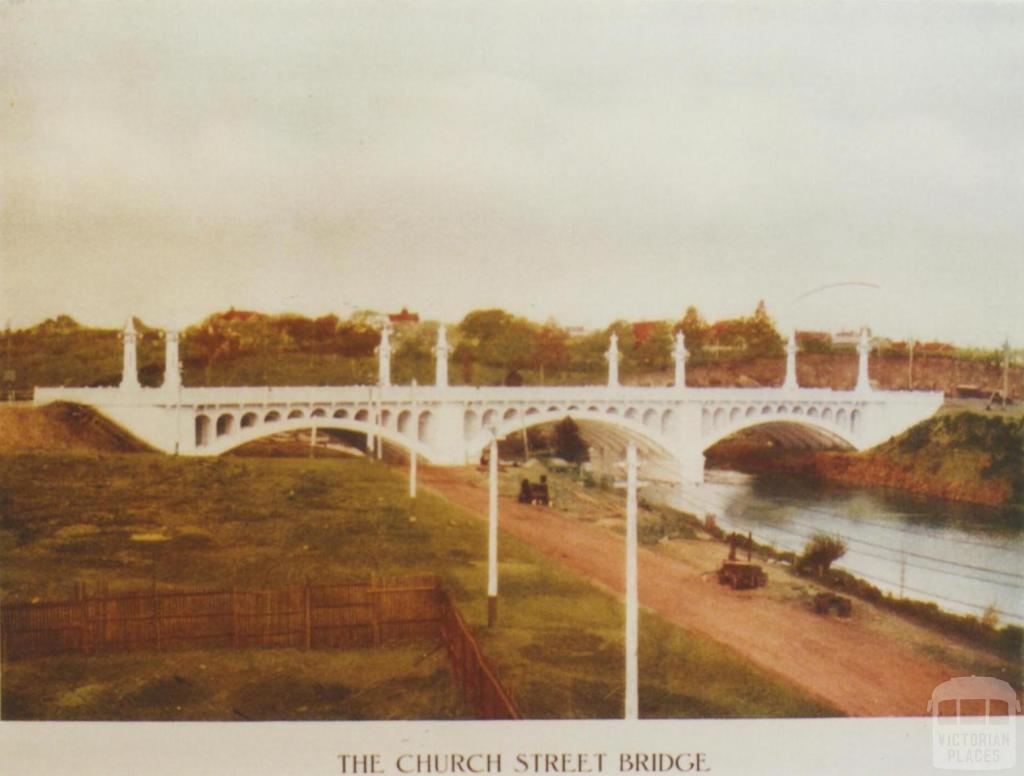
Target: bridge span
column 450, row 425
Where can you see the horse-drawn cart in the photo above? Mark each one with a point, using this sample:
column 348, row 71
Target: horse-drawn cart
column 741, row 576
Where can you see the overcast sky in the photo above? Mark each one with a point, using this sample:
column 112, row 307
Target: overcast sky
column 583, row 161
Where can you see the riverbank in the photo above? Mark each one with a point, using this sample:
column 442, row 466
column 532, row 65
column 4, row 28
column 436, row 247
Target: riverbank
column 873, row 661
column 965, row 457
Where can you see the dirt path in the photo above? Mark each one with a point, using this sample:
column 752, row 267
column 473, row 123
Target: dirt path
column 841, row 662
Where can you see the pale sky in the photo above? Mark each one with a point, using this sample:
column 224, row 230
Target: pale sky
column 586, row 161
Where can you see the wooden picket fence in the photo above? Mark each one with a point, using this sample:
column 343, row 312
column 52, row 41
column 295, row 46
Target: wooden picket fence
column 309, row 616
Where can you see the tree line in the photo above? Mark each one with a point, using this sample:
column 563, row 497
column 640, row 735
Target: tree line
column 491, row 346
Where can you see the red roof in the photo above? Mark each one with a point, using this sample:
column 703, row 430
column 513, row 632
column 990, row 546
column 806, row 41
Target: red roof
column 404, row 317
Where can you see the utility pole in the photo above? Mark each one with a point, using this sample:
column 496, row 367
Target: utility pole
column 492, row 535
column 632, row 707
column 632, row 697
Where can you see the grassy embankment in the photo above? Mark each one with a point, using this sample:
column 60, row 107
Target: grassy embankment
column 275, row 522
column 960, row 456
column 964, row 456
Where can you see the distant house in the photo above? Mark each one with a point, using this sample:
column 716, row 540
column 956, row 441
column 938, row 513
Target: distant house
column 846, row 337
column 935, row 349
column 403, row 317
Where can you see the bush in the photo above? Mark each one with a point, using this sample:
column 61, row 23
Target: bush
column 821, row 552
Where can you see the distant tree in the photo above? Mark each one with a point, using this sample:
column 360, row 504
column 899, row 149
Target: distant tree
column 497, row 338
column 695, row 330
column 414, row 352
column 569, row 444
column 821, row 552
column 212, row 341
column 761, row 336
column 325, row 327
column 357, row 340
column 586, row 352
column 550, row 350
column 655, row 352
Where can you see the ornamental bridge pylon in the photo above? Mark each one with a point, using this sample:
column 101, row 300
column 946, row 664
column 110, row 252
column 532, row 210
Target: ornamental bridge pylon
column 450, row 425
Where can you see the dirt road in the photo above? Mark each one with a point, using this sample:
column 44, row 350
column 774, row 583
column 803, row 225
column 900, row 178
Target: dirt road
column 839, row 661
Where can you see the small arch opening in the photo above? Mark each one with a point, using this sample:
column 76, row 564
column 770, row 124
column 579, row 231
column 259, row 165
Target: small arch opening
column 202, row 430
column 225, row 424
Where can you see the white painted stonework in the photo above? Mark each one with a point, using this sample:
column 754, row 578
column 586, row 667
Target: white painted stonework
column 451, row 425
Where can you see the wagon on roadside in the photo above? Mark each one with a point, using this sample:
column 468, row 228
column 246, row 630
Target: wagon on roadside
column 824, row 603
column 741, row 576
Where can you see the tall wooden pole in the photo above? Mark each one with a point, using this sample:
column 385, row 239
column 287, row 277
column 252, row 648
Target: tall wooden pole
column 492, row 537
column 632, row 706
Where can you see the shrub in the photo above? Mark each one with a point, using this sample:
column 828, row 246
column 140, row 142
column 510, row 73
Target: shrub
column 821, row 552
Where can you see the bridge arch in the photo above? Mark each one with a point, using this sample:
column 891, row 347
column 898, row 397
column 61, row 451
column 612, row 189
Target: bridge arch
column 404, row 418
column 202, row 430
column 426, row 427
column 240, row 436
column 225, row 423
column 650, row 417
column 628, row 426
column 249, row 419
column 840, row 429
column 469, row 424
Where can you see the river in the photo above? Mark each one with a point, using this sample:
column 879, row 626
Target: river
column 964, row 558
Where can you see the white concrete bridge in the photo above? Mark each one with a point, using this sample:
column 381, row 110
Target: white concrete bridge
column 450, row 425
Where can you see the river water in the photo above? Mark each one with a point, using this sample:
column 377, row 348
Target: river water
column 964, row 558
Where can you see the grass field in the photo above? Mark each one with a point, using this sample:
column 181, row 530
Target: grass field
column 393, row 682
column 252, row 522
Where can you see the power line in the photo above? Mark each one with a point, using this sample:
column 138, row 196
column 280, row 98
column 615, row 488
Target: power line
column 970, row 566
column 929, row 594
column 958, row 575
column 865, row 521
column 979, row 607
column 747, row 502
